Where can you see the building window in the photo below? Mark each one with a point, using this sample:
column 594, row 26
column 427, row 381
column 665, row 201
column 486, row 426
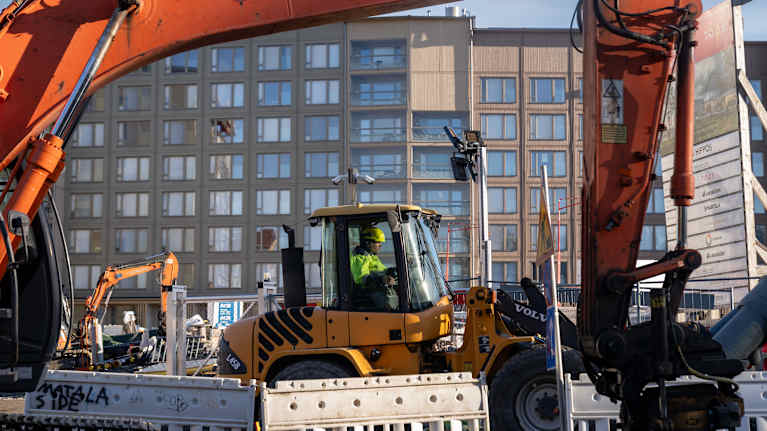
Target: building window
column 322, row 55
column 580, row 127
column 502, row 163
column 227, row 59
column 432, row 163
column 757, row 86
column 499, row 90
column 273, row 165
column 448, row 199
column 179, row 168
column 547, row 127
column 557, row 197
column 319, row 198
column 503, row 237
column 134, row 133
column 376, row 55
column 96, row 103
column 86, row 205
column 227, row 95
column 178, row 239
column 179, row 204
column 653, row 238
column 85, row 241
column 270, row 272
column 226, row 167
column 322, row 128
column 430, row 126
column 378, row 90
column 137, row 98
column 131, row 240
column 133, row 169
column 561, row 230
column 378, row 127
column 225, row 203
column 275, row 57
column 580, row 90
column 459, row 238
column 87, row 170
column 656, row 206
column 180, row 132
column 757, row 133
column 555, row 162
column 379, row 194
column 86, row 276
column 227, row 131
column 132, row 204
column 757, row 163
column 272, row 202
column 320, row 165
column 502, row 200
column 88, row 135
column 322, row 92
column 547, row 90
column 277, row 129
column 378, row 163
column 185, row 62
column 271, row 238
column 761, row 233
column 275, row 93
column 312, row 238
column 534, row 241
column 498, row 126
column 504, row 272
column 225, row 239
column 580, row 165
column 225, row 275
column 457, row 271
column 180, row 96
column 758, row 205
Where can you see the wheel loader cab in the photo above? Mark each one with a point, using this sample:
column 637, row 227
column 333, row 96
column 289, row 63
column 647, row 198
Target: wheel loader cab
column 380, row 264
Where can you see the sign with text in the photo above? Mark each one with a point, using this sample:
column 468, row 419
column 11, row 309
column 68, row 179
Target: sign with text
column 226, row 312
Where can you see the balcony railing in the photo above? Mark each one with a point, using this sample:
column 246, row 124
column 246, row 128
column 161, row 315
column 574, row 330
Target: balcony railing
column 446, row 208
column 378, row 98
column 378, row 61
column 432, row 170
column 379, row 171
column 378, row 134
column 433, row 134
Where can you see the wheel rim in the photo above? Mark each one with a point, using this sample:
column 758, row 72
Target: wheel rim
column 537, row 405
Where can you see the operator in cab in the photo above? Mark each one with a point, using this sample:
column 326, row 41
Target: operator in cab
column 372, row 279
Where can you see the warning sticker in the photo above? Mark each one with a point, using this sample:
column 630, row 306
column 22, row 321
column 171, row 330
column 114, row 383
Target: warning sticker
column 612, row 101
column 614, row 134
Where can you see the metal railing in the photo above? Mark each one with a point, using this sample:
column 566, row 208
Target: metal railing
column 378, row 61
column 378, row 134
column 379, row 170
column 432, row 170
column 433, row 134
column 379, row 98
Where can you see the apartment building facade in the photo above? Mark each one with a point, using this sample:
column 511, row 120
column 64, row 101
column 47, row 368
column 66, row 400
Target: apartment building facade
column 209, row 152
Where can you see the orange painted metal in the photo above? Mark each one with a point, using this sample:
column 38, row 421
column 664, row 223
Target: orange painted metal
column 45, row 46
column 614, row 209
column 683, row 181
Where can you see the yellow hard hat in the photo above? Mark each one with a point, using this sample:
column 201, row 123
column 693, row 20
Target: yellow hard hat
column 373, row 234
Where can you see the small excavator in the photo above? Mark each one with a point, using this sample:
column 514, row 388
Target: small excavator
column 88, row 339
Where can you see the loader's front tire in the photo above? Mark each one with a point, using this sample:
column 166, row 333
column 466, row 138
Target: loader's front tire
column 523, row 395
column 311, row 369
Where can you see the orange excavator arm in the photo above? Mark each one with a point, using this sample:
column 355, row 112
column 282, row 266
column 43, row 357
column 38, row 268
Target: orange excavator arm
column 53, row 55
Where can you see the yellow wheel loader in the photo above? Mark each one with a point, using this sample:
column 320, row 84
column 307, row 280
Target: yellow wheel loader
column 385, row 304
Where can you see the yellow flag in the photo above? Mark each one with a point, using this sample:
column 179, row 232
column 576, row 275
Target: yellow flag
column 545, row 237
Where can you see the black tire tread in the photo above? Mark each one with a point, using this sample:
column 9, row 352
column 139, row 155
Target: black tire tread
column 510, row 380
column 312, row 369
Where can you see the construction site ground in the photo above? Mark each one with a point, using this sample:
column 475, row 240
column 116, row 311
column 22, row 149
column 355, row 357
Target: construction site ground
column 11, row 402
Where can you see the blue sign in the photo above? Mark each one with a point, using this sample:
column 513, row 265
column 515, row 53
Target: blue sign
column 226, row 313
column 551, row 350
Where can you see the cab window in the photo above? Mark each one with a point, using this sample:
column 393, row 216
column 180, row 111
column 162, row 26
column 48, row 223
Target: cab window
column 375, row 284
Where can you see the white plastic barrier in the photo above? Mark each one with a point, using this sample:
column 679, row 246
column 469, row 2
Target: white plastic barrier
column 587, row 405
column 159, row 400
column 386, row 400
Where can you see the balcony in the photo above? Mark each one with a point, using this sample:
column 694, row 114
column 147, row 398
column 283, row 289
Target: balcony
column 437, row 171
column 429, row 126
column 378, row 55
column 378, row 126
column 378, row 134
column 378, row 90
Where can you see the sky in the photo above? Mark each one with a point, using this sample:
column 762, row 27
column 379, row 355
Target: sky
column 557, row 13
